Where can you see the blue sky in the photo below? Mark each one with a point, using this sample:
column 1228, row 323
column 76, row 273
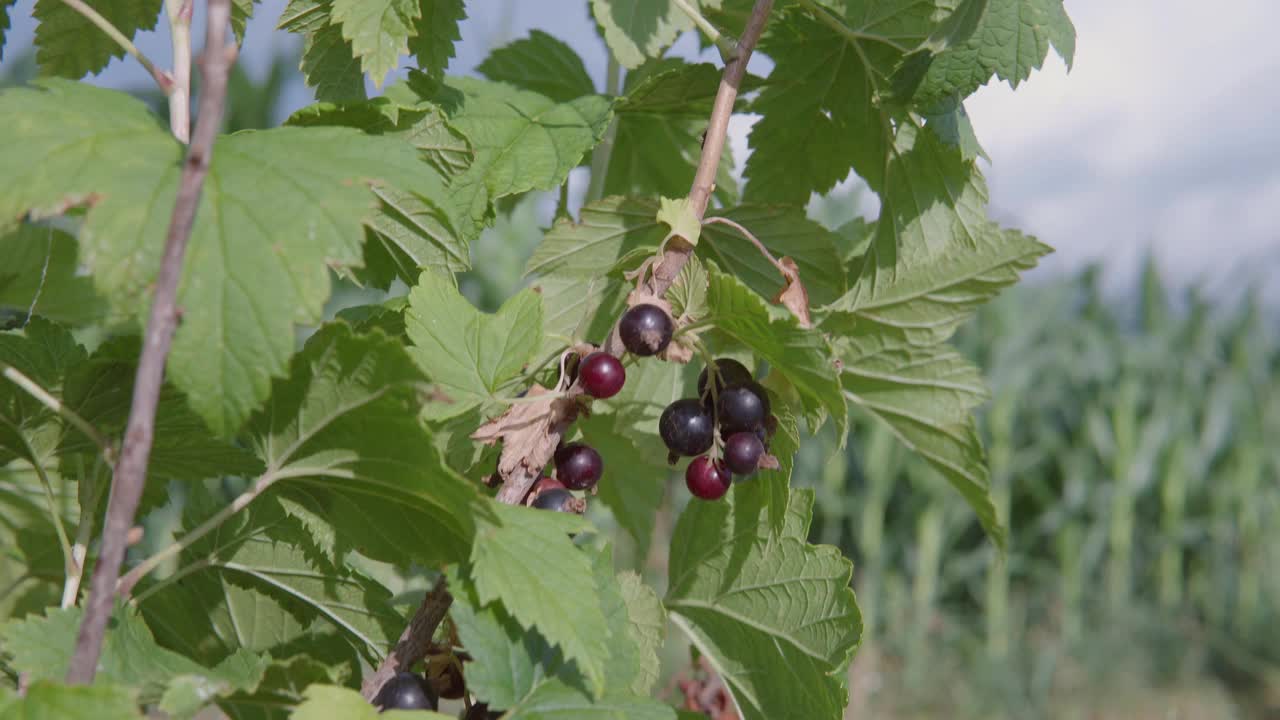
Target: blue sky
column 1161, row 137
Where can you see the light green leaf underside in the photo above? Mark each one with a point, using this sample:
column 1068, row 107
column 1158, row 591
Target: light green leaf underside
column 774, row 614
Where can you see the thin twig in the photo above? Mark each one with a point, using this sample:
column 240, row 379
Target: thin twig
column 603, row 152
column 414, row 642
column 723, row 44
column 180, row 99
column 754, row 241
column 33, row 389
column 130, row 476
column 162, row 78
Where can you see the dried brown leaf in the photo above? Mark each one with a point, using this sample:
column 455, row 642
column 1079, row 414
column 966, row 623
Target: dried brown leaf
column 793, row 296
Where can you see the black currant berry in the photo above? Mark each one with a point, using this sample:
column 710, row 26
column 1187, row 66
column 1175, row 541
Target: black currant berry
column 544, row 484
column 742, row 452
column 406, row 691
column 578, row 466
column 731, row 372
column 559, row 500
column 601, row 375
column 645, row 330
column 686, row 427
column 707, row 479
column 741, row 409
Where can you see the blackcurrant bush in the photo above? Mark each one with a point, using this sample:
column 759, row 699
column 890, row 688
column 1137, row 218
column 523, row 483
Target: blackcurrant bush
column 578, row 466
column 601, row 375
column 645, row 330
column 406, row 691
column 741, row 409
column 731, row 372
column 742, row 452
column 481, row 711
column 559, row 500
column 708, row 479
column 686, row 427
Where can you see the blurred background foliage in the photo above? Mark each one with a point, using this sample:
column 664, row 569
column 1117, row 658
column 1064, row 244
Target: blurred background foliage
column 1134, row 440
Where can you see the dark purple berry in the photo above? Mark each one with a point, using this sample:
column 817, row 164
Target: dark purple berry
column 731, row 372
column 741, row 409
column 406, row 691
column 645, row 330
column 742, row 452
column 578, row 466
column 686, row 427
column 559, row 500
column 708, row 479
column 601, row 375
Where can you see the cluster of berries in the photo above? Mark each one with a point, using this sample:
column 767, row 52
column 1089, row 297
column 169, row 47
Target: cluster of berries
column 736, row 406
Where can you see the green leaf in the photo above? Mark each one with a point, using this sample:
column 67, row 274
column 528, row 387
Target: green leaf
column 540, row 63
column 328, row 702
column 639, row 29
column 251, row 585
column 508, row 661
column 68, row 44
column 823, row 110
column 764, row 607
column 52, row 701
column 949, row 120
column 554, row 700
column 330, row 66
column 679, row 215
column 609, row 230
column 42, row 647
column 378, row 31
column 241, row 13
column 278, row 209
column 524, row 140
column 787, row 233
column 935, row 256
column 1012, row 39
column 44, row 352
column 525, row 559
column 40, row 275
column 647, row 627
column 305, row 16
column 665, row 104
column 435, row 34
column 468, row 354
column 773, row 334
column 688, row 293
column 342, row 434
column 925, row 396
column 408, row 232
column 578, row 308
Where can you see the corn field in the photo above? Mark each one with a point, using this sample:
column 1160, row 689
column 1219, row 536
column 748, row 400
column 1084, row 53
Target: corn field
column 1135, row 450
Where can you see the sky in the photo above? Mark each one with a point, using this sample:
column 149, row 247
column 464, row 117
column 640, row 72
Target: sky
column 1161, row 137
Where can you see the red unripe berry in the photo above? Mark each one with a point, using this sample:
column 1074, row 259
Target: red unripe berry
column 707, row 479
column 601, row 375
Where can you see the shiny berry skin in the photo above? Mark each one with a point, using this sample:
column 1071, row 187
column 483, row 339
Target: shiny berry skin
column 707, row 479
column 601, row 375
column 686, row 427
column 406, row 691
column 645, row 330
column 544, row 484
column 731, row 372
column 742, row 453
column 741, row 409
column 578, row 466
column 557, row 499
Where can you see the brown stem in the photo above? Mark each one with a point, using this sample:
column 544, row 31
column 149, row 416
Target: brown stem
column 414, row 642
column 677, row 251
column 130, row 475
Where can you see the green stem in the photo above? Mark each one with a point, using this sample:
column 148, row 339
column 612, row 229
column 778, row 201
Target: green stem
column 68, row 558
column 126, row 583
column 728, row 48
column 600, row 156
column 163, row 80
column 853, row 36
column 48, row 400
